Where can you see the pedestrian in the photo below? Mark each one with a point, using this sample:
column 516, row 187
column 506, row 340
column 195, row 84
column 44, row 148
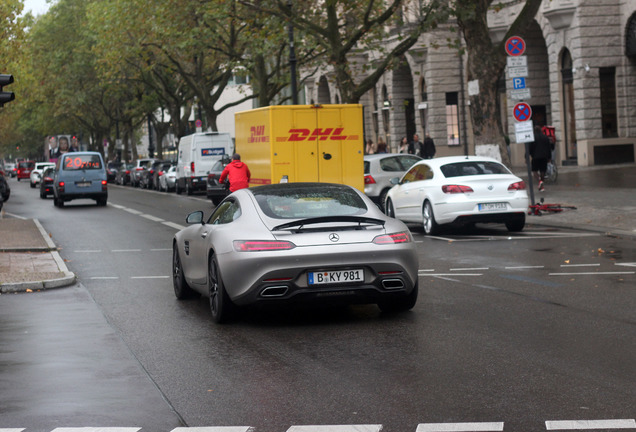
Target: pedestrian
column 416, row 146
column 429, row 147
column 541, row 152
column 381, row 146
column 404, row 145
column 370, row 149
column 237, row 173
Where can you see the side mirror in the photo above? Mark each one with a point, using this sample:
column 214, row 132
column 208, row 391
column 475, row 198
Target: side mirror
column 395, row 180
column 195, row 218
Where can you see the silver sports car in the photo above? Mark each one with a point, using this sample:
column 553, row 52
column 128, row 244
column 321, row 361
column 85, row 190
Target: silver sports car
column 295, row 242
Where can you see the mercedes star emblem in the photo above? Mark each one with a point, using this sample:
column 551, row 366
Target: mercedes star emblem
column 334, row 237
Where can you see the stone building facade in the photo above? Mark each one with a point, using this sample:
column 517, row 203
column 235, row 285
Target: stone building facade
column 581, row 57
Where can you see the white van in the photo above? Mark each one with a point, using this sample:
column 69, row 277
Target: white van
column 197, row 154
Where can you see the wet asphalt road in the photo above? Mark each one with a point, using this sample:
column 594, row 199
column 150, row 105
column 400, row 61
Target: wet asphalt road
column 515, row 329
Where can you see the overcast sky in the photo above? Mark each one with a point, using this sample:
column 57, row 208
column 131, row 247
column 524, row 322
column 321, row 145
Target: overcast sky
column 38, row 7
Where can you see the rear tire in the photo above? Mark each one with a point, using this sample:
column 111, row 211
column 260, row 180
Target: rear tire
column 428, row 219
column 401, row 304
column 516, row 225
column 220, row 304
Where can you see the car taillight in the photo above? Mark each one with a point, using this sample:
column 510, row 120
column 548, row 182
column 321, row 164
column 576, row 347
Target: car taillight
column 520, row 185
column 47, row 179
column 127, row 171
column 192, row 168
column 160, row 173
column 401, row 237
column 60, row 186
column 261, row 245
column 368, row 179
column 104, row 185
column 453, row 189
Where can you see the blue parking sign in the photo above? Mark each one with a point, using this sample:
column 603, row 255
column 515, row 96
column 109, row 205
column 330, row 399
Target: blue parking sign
column 519, row 83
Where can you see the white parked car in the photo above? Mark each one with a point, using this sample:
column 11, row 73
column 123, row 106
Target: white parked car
column 459, row 190
column 380, row 168
column 36, row 174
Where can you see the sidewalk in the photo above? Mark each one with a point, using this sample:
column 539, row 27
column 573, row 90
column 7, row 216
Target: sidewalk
column 29, row 259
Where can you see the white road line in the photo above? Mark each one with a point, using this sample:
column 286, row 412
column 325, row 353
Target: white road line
column 104, row 277
column 213, row 429
column 580, row 265
column 469, row 269
column 152, row 218
column 459, row 427
column 524, row 267
column 11, row 430
column 149, row 277
column 336, row 428
column 133, row 211
column 590, row 424
column 451, row 274
column 630, row 264
column 126, row 250
column 591, row 273
column 173, row 225
column 426, row 270
column 117, row 206
column 96, row 429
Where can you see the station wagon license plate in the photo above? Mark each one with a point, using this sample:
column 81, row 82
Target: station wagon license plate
column 335, row 276
column 83, row 184
column 493, row 206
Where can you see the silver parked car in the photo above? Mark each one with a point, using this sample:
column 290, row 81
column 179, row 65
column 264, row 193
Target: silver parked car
column 380, row 168
column 295, row 242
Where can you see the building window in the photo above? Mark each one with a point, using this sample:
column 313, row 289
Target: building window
column 607, row 78
column 452, row 118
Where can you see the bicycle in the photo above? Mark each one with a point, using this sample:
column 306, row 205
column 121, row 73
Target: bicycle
column 540, row 208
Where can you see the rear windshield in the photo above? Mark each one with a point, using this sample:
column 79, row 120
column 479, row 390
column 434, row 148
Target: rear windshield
column 473, row 168
column 28, row 165
column 298, row 201
column 81, row 162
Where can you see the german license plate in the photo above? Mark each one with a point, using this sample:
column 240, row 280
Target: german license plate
column 492, row 207
column 335, row 276
column 83, row 184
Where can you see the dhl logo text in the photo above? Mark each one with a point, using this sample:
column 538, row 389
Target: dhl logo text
column 318, row 134
column 257, row 135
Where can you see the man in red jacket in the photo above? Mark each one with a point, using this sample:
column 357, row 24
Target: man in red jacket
column 237, row 172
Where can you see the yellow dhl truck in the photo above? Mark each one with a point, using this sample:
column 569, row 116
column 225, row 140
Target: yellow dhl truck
column 302, row 143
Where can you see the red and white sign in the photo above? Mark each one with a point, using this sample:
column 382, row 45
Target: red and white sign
column 515, row 46
column 522, row 112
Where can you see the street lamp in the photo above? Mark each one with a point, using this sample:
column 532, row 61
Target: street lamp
column 292, row 56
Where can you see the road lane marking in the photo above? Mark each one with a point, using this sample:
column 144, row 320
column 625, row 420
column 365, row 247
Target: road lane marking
column 459, row 427
column 469, row 269
column 133, row 211
column 590, row 424
column 630, row 264
column 104, row 277
column 173, row 225
column 96, row 429
column 152, row 218
column 161, row 249
column 213, row 429
column 580, row 265
column 126, row 250
column 591, row 273
column 336, row 428
column 450, row 274
column 149, row 277
column 524, row 267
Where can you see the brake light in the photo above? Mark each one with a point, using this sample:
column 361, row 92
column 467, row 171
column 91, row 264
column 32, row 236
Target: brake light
column 453, row 189
column 261, row 245
column 60, row 186
column 401, row 237
column 520, row 185
column 127, row 171
column 368, row 179
column 192, row 168
column 47, row 179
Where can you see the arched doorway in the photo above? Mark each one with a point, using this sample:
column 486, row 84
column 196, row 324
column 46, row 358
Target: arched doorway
column 404, row 104
column 569, row 115
column 324, row 95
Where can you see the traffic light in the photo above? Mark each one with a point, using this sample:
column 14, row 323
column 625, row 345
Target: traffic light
column 5, row 96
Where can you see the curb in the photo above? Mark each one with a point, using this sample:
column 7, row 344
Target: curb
column 69, row 277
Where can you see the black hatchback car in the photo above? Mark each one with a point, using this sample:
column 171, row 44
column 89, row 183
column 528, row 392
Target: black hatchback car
column 46, row 184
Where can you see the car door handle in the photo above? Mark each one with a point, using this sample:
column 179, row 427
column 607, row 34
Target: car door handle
column 204, row 235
